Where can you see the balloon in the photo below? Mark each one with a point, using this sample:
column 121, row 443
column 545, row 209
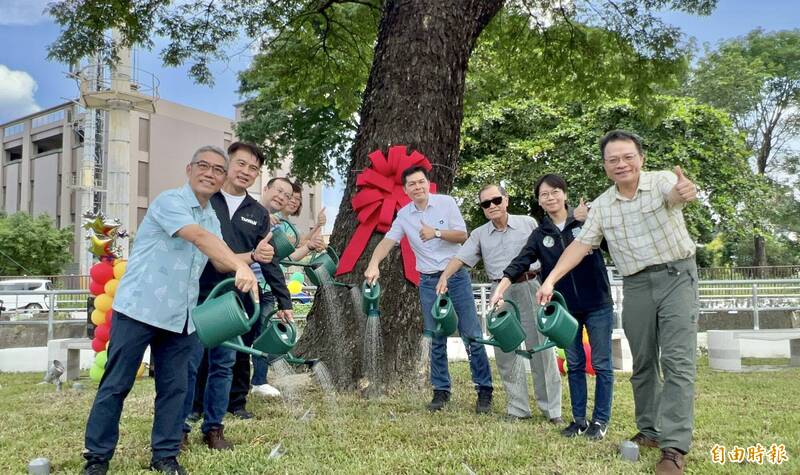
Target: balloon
column 107, row 343
column 120, row 265
column 562, row 363
column 560, row 353
column 299, row 277
column 111, row 287
column 294, row 287
column 100, row 359
column 101, row 246
column 103, row 302
column 96, row 373
column 102, row 333
column 140, row 371
column 101, row 224
column 95, row 288
column 98, row 345
column 101, row 273
column 588, row 350
column 585, row 336
column 98, row 317
column 109, row 315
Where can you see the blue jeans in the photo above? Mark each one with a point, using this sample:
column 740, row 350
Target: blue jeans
column 460, row 290
column 261, row 365
column 170, row 351
column 599, row 324
column 217, row 387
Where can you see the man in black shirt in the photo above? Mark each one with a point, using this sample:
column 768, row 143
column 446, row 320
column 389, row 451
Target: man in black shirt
column 246, row 230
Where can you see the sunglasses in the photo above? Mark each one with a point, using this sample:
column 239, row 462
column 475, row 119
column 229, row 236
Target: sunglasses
column 492, row 201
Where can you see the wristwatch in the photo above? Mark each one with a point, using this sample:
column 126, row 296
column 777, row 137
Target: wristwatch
column 437, row 233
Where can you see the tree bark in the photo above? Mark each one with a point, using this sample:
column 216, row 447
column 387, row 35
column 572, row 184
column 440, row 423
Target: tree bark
column 414, row 97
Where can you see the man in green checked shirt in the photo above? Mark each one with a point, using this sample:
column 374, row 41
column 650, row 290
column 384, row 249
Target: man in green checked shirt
column 641, row 218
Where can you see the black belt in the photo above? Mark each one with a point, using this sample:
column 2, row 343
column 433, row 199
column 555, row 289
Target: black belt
column 524, row 277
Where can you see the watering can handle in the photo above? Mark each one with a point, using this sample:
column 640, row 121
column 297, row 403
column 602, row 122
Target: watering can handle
column 560, row 299
column 229, row 284
column 294, row 231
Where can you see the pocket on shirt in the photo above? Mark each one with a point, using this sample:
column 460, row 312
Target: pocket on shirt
column 653, row 213
column 614, row 228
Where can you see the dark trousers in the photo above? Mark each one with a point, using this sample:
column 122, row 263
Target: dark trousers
column 129, row 339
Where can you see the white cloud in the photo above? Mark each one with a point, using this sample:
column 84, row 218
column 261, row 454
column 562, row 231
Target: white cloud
column 23, row 12
column 16, row 94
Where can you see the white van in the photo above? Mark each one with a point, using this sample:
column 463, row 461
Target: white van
column 24, row 301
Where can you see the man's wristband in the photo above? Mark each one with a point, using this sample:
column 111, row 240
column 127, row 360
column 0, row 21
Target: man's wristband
column 253, row 256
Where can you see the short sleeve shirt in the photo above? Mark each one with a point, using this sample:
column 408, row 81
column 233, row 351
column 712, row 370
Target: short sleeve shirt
column 441, row 212
column 161, row 283
column 497, row 248
column 641, row 231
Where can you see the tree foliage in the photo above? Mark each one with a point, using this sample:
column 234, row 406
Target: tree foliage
column 516, row 141
column 32, row 246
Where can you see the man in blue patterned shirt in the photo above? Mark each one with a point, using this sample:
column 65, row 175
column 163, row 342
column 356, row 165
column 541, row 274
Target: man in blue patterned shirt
column 178, row 235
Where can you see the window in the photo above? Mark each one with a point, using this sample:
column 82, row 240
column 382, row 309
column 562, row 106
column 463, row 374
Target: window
column 14, row 129
column 144, row 135
column 56, row 116
column 143, row 179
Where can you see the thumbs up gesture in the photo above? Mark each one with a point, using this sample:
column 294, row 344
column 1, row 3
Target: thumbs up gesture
column 684, row 189
column 264, row 251
column 427, row 232
column 581, row 212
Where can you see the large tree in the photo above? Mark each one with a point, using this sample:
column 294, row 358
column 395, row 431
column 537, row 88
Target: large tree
column 414, row 95
column 756, row 79
column 32, row 246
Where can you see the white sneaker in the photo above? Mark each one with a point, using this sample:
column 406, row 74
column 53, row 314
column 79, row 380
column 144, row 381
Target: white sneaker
column 265, row 390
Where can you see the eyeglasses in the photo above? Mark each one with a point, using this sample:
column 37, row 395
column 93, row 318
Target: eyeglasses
column 492, row 201
column 614, row 161
column 251, row 168
column 204, row 166
column 547, row 194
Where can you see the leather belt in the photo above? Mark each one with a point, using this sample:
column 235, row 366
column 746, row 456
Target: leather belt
column 524, row 277
column 653, row 268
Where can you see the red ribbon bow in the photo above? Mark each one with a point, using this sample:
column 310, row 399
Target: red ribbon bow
column 379, row 197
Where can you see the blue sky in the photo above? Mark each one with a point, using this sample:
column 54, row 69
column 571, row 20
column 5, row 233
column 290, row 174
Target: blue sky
column 29, row 82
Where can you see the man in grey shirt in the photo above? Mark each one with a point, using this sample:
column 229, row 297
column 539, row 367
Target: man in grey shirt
column 498, row 242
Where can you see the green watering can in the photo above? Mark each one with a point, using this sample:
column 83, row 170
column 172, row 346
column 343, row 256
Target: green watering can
column 505, row 327
column 320, row 268
column 370, row 294
column 281, row 241
column 277, row 338
column 222, row 316
column 444, row 317
column 555, row 322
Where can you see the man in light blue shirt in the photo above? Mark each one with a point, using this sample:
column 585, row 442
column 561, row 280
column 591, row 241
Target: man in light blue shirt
column 435, row 229
column 178, row 235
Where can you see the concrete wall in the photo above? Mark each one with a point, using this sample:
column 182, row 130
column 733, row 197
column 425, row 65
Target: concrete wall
column 11, row 177
column 46, row 192
column 21, row 335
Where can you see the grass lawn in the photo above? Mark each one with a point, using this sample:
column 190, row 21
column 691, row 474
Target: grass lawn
column 396, row 435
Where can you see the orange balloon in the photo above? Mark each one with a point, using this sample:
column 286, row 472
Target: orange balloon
column 585, row 336
column 111, row 287
column 98, row 317
column 103, row 302
column 140, row 371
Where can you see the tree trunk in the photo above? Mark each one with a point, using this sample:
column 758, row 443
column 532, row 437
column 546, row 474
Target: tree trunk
column 759, row 252
column 414, row 96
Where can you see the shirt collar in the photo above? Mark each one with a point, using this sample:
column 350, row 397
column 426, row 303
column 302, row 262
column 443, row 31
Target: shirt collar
column 645, row 184
column 188, row 194
column 430, row 203
column 511, row 223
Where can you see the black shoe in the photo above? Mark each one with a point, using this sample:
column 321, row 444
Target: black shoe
column 194, row 417
column 95, row 468
column 243, row 414
column 440, row 398
column 574, row 429
column 597, row 430
column 168, row 465
column 484, row 403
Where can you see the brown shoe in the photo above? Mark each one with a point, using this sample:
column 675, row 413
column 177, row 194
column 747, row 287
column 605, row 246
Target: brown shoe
column 215, row 439
column 644, row 441
column 184, row 442
column 671, row 462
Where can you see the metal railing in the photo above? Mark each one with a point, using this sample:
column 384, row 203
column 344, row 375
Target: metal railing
column 54, row 305
column 749, row 273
